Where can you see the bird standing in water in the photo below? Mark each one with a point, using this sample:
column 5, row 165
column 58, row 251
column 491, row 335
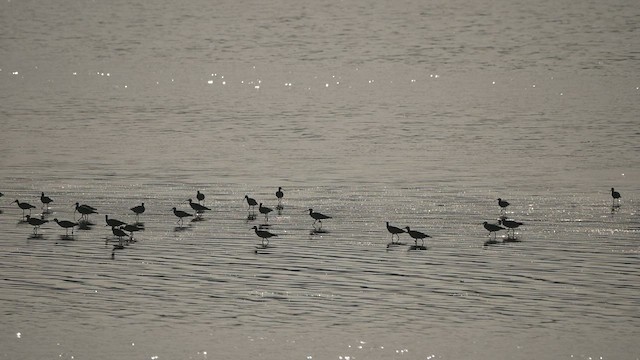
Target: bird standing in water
column 35, row 222
column 417, row 235
column 318, row 217
column 616, row 197
column 24, row 206
column 492, row 228
column 264, row 235
column 45, row 202
column 279, row 195
column 395, row 231
column 265, row 210
column 181, row 215
column 200, row 197
column 252, row 202
column 138, row 210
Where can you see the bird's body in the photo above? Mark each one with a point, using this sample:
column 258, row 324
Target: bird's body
column 35, row 222
column 138, row 210
column 492, row 228
column 200, row 197
column 615, row 197
column 85, row 210
column 265, row 211
column 252, row 202
column 394, row 231
column 279, row 195
column 318, row 217
column 181, row 215
column 114, row 222
column 24, row 206
column 197, row 207
column 264, row 235
column 511, row 225
column 119, row 233
column 45, row 201
column 66, row 224
column 417, row 235
column 503, row 204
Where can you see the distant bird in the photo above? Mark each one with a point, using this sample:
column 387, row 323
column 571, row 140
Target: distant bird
column 85, row 211
column 503, row 204
column 180, row 214
column 265, row 210
column 264, row 235
column 394, row 231
column 35, row 222
column 197, row 207
column 511, row 225
column 318, row 217
column 1, row 194
column 45, row 201
column 113, row 222
column 200, row 197
column 252, row 202
column 118, row 232
column 279, row 195
column 417, row 235
column 616, row 197
column 492, row 228
column 138, row 210
column 66, row 225
column 131, row 228
column 24, row 206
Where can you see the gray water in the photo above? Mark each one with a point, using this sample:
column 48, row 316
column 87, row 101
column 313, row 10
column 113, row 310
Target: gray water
column 420, row 113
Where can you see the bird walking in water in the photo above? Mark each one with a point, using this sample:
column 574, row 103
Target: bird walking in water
column 35, row 222
column 615, row 198
column 199, row 209
column 395, row 231
column 200, row 197
column 510, row 225
column 181, row 215
column 66, row 225
column 24, row 206
column 138, row 210
column 118, row 232
column 417, row 235
column 318, row 217
column 114, row 222
column 279, row 195
column 45, row 202
column 264, row 235
column 85, row 211
column 265, row 211
column 252, row 203
column 492, row 228
column 503, row 205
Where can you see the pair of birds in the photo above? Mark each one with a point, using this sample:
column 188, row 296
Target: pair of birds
column 396, row 231
column 26, row 206
column 503, row 224
column 265, row 235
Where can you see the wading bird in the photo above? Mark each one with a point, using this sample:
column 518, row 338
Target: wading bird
column 264, row 235
column 318, row 217
column 394, row 231
column 417, row 235
column 492, row 228
column 66, row 225
column 138, row 210
column 35, row 222
column 181, row 215
column 24, row 206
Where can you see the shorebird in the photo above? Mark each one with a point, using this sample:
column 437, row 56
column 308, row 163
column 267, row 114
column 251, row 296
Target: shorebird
column 66, row 225
column 417, row 235
column 35, row 222
column 114, row 222
column 118, row 232
column 492, row 228
column 279, row 195
column 199, row 209
column 45, row 201
column 138, row 210
column 512, row 225
column 616, row 197
column 24, row 206
column 252, row 202
column 265, row 210
column 131, row 229
column 394, row 231
column 264, row 235
column 180, row 214
column 200, row 197
column 318, row 217
column 84, row 211
column 503, row 204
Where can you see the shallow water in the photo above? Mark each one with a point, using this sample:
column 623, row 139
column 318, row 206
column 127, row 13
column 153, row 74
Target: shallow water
column 421, row 114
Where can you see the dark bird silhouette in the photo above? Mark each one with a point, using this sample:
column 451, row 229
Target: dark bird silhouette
column 181, row 215
column 131, row 228
column 503, row 204
column 138, row 210
column 279, row 195
column 200, row 197
column 252, row 203
column 492, row 228
column 35, row 222
column 45, row 201
column 265, row 210
column 118, row 232
column 24, row 206
column 511, row 225
column 394, row 231
column 318, row 217
column 85, row 211
column 264, row 235
column 66, row 225
column 113, row 222
column 615, row 197
column 197, row 207
column 417, row 235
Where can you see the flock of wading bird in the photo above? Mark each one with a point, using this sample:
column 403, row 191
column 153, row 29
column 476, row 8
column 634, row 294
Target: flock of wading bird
column 124, row 231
